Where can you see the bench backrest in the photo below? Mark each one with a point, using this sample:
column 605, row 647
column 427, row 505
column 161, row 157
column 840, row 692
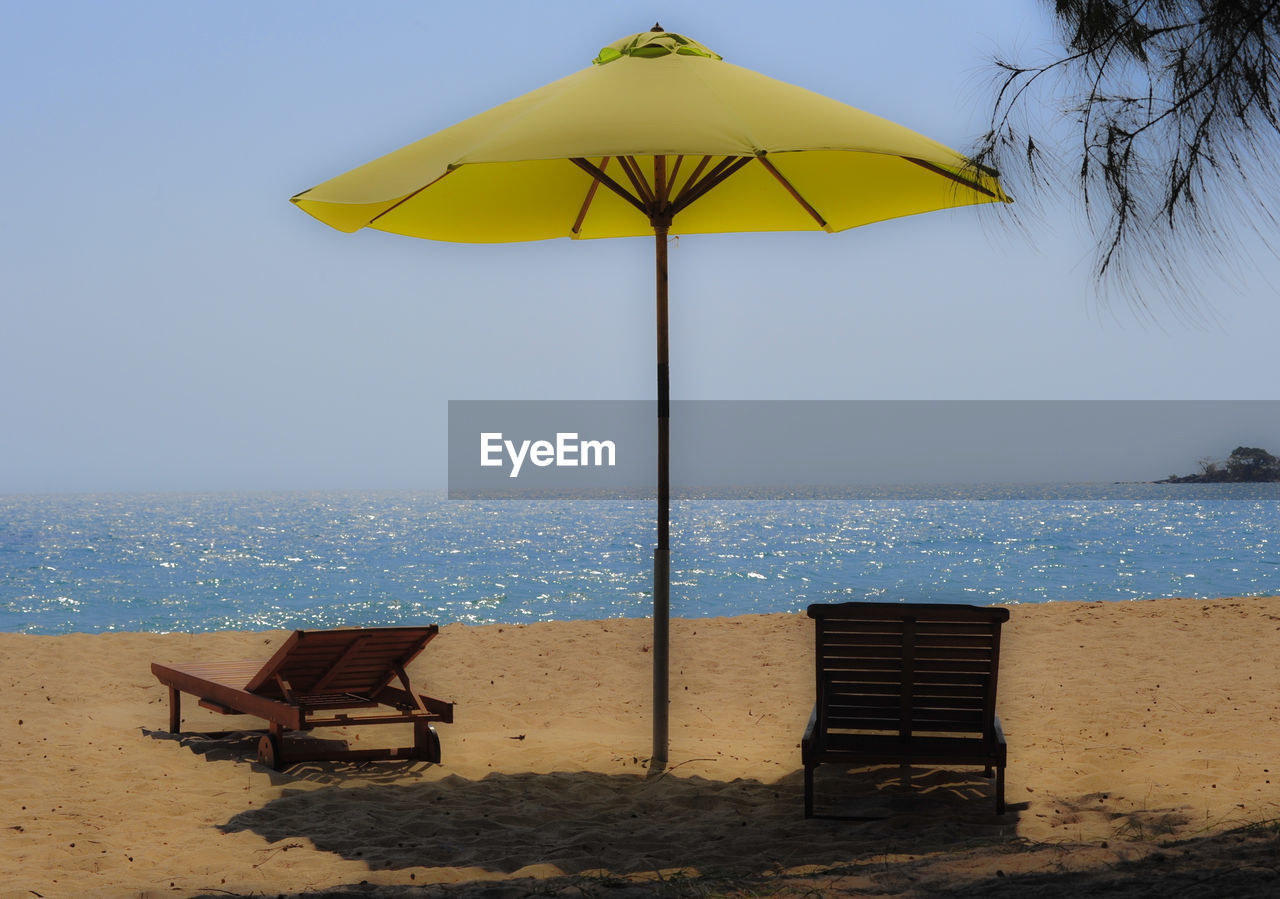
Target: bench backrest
column 907, row 668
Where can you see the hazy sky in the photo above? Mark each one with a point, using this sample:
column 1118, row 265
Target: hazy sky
column 172, row 322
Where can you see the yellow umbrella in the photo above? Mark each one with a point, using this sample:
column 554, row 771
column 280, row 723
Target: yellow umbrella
column 682, row 143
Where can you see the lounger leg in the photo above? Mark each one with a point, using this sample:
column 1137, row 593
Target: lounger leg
column 269, row 752
column 271, row 748
column 808, row 791
column 426, row 743
column 904, row 775
column 1000, row 790
column 175, row 710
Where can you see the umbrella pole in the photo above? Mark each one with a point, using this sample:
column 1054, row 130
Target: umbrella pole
column 662, row 555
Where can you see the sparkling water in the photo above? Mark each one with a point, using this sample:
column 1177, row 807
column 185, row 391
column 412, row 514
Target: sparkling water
column 268, row 560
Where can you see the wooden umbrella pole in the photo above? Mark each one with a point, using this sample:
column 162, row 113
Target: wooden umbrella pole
column 662, row 555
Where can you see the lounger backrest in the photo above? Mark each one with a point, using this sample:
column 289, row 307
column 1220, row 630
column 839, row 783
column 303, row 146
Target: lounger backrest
column 907, row 668
column 344, row 660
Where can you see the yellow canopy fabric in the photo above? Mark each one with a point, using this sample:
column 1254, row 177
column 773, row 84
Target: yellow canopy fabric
column 508, row 175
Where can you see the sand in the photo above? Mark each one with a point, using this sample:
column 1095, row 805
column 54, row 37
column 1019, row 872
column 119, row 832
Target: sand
column 1144, row 744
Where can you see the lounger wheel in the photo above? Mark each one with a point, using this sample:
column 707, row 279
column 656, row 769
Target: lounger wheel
column 269, row 751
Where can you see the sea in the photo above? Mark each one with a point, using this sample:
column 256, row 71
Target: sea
column 256, row 561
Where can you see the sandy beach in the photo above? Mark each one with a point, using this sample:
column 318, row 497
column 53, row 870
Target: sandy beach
column 1144, row 744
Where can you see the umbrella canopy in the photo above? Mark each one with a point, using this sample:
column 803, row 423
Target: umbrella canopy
column 508, row 174
column 660, row 137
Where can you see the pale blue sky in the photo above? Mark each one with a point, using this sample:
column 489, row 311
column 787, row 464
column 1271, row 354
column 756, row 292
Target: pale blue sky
column 171, row 322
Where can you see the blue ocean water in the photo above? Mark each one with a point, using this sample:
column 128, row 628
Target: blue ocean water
column 269, row 560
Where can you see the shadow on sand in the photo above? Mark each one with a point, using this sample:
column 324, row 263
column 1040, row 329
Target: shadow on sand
column 624, row 823
column 588, row 834
column 1242, row 863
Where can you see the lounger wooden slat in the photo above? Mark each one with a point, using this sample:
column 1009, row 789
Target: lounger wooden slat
column 953, row 666
column 921, row 638
column 906, row 684
column 855, row 707
column 892, row 679
column 317, row 679
column 871, row 705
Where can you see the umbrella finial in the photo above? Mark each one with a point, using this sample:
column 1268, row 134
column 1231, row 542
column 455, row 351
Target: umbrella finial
column 651, row 44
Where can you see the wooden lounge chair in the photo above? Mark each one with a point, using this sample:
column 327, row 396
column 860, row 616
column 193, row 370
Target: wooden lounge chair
column 311, row 681
column 912, row 684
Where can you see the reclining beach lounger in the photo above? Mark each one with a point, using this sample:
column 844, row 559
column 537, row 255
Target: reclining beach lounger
column 311, row 681
column 912, row 684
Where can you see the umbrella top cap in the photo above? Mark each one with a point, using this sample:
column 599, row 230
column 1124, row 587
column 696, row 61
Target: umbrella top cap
column 652, row 44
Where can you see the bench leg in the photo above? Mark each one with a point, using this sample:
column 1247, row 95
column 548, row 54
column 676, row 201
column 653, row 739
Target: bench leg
column 808, row 790
column 175, row 710
column 1000, row 790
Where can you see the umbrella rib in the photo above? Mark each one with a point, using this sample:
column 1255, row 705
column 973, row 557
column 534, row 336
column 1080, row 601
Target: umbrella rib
column 693, row 177
column 661, row 187
column 714, row 179
column 939, row 170
column 591, row 194
column 794, row 193
column 405, row 199
column 671, row 179
column 632, row 168
column 599, row 175
column 693, row 184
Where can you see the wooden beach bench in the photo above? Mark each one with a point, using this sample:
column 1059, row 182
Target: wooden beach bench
column 314, row 679
column 912, row 684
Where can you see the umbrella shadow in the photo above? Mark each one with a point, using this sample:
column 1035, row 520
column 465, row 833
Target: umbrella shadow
column 581, row 822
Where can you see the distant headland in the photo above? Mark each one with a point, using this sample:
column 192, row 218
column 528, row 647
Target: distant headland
column 1246, row 464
